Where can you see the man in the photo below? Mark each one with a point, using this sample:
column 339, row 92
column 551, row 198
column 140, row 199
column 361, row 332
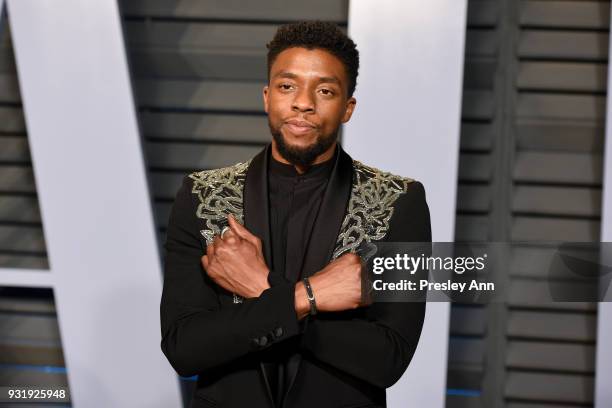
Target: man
column 262, row 289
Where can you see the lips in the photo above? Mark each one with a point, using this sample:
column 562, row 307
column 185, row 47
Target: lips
column 299, row 127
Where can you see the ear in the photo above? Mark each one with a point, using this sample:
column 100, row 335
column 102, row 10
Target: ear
column 350, row 107
column 265, row 97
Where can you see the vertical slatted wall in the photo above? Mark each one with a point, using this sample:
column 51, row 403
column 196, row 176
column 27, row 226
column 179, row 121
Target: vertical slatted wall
column 479, row 134
column 21, row 238
column 531, row 170
column 30, row 345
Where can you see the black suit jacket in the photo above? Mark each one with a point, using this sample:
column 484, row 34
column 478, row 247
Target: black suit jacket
column 344, row 359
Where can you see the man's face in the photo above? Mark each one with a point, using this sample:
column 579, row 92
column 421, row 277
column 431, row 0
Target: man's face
column 306, row 101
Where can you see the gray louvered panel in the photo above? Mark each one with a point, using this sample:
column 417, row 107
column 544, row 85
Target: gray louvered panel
column 468, row 321
column 7, row 60
column 537, row 405
column 475, row 167
column 9, row 89
column 554, row 229
column 21, row 238
column 209, row 95
column 35, row 378
column 19, row 209
column 165, row 185
column 563, row 45
column 553, row 326
column 534, row 134
column 562, row 76
column 35, row 405
column 16, row 179
column 219, row 64
column 266, row 10
column 482, row 13
column 473, row 198
column 549, row 387
column 37, row 262
column 478, row 105
column 11, row 120
column 534, row 261
column 14, row 150
column 31, row 355
column 180, row 156
column 567, row 14
column 464, row 377
column 206, row 127
column 461, row 401
column 562, row 201
column 579, row 358
column 560, row 106
column 529, row 293
column 477, row 136
column 465, row 350
column 29, row 329
column 471, row 228
column 26, row 305
column 200, row 36
column 479, row 73
column 481, row 43
column 561, row 168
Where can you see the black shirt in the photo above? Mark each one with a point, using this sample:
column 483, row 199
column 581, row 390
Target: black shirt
column 294, row 204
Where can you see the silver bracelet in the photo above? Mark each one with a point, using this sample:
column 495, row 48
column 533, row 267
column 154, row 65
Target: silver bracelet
column 310, row 296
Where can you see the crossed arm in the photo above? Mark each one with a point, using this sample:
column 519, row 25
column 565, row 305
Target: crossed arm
column 201, row 334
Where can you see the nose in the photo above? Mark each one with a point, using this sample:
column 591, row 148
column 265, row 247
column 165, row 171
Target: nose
column 303, row 101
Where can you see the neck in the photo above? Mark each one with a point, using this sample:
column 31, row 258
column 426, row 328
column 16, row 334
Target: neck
column 323, row 157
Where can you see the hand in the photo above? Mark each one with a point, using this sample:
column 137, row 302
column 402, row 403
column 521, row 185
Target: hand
column 236, row 262
column 336, row 287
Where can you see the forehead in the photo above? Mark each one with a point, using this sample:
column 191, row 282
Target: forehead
column 304, row 62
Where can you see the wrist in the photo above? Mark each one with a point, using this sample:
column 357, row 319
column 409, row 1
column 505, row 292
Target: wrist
column 264, row 284
column 302, row 306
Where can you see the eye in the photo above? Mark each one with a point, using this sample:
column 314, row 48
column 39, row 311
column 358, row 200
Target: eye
column 285, row 87
column 326, row 92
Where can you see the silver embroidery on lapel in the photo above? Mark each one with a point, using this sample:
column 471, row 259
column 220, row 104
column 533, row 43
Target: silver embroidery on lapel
column 370, row 207
column 220, row 192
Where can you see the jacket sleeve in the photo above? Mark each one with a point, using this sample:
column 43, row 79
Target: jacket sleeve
column 198, row 332
column 379, row 347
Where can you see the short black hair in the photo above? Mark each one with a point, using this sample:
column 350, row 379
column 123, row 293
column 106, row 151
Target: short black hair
column 317, row 34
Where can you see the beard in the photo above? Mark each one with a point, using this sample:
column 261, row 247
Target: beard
column 302, row 156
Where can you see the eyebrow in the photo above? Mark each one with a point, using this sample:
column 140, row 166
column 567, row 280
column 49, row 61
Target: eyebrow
column 290, row 75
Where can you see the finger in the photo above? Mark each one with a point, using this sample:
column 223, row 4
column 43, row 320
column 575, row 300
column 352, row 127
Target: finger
column 210, row 249
column 205, row 262
column 242, row 232
column 230, row 237
column 237, row 228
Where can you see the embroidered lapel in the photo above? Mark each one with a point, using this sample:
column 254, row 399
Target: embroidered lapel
column 370, row 207
column 220, row 193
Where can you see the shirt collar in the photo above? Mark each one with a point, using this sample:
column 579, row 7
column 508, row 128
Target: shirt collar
column 315, row 172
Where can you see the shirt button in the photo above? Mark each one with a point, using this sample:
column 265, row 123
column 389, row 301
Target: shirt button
column 278, row 332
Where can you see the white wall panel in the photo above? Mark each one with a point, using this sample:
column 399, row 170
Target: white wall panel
column 407, row 122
